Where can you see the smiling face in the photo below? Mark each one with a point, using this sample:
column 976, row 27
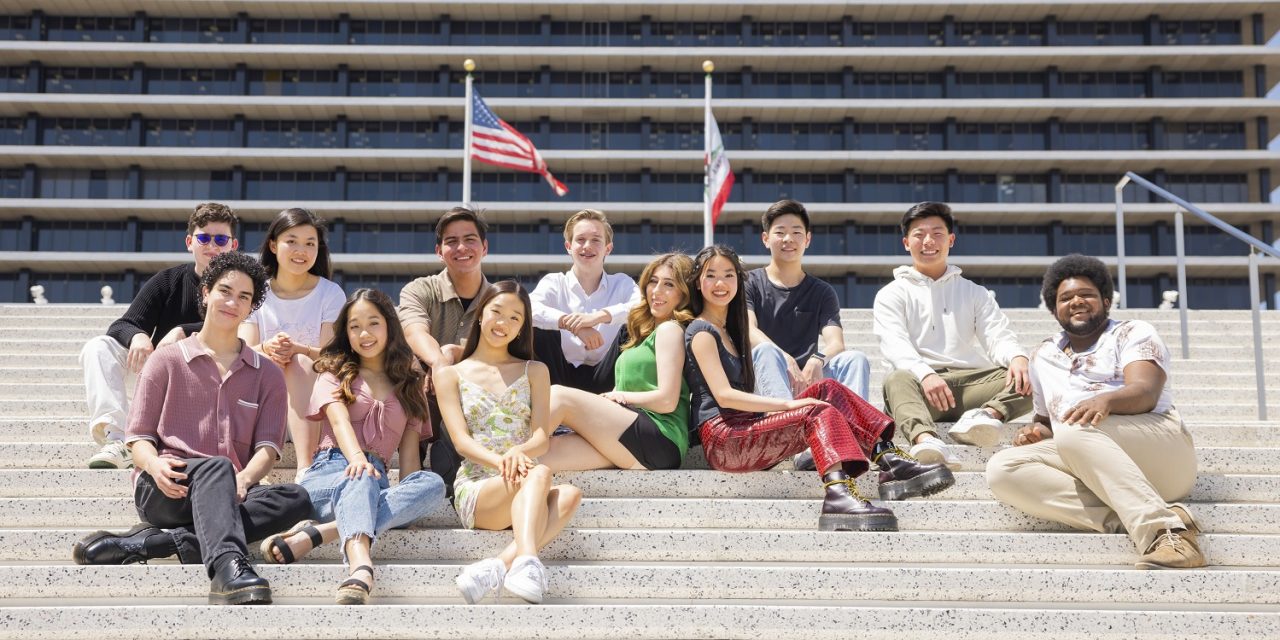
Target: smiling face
column 929, row 243
column 461, row 248
column 588, row 244
column 501, row 319
column 786, row 239
column 366, row 330
column 296, row 249
column 1080, row 308
column 663, row 294
column 205, row 252
column 718, row 282
column 230, row 301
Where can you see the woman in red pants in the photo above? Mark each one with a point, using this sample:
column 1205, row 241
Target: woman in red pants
column 741, row 431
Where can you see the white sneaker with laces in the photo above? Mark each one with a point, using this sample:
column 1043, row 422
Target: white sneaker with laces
column 527, row 579
column 931, row 450
column 480, row 578
column 976, row 427
column 113, row 455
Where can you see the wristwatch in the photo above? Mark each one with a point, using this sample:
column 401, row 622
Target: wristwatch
column 822, row 357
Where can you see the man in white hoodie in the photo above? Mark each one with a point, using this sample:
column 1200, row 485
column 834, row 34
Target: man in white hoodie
column 952, row 354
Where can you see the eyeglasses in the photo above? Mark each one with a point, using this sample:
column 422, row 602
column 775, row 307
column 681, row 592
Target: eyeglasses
column 219, row 239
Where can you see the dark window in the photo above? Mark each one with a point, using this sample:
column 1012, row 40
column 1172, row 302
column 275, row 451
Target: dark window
column 86, row 131
column 999, row 136
column 89, row 29
column 898, row 188
column 11, row 183
column 88, row 80
column 1200, row 32
column 291, row 185
column 293, row 82
column 1205, row 135
column 192, row 81
column 496, row 33
column 80, row 235
column 390, row 185
column 1000, row 34
column 1102, row 33
column 292, row 134
column 1210, row 187
column 163, row 184
column 11, row 236
column 373, row 237
column 418, row 32
column 780, row 136
column 376, row 83
column 294, row 31
column 1104, row 136
column 896, row 85
column 892, row 136
column 1001, row 188
column 82, row 183
column 1004, row 240
column 1000, row 84
column 796, row 34
column 14, row 80
column 164, row 236
column 196, row 30
column 374, row 134
column 1201, row 84
column 897, row 34
column 16, row 28
column 169, row 132
column 1095, row 188
column 13, row 130
column 1103, row 84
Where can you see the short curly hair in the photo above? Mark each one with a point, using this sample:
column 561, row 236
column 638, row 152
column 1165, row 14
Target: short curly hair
column 1076, row 266
column 235, row 261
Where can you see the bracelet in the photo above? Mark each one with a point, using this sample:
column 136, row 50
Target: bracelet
column 822, row 357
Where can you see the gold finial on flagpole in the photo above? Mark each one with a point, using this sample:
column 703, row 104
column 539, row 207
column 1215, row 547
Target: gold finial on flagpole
column 469, row 65
column 708, row 66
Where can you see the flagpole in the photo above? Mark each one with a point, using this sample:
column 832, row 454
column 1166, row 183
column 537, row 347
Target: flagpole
column 708, row 228
column 469, row 65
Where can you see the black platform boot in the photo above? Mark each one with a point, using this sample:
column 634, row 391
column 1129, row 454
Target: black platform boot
column 902, row 476
column 844, row 509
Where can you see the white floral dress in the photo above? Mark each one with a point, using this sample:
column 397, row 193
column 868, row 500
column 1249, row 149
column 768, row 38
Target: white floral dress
column 497, row 422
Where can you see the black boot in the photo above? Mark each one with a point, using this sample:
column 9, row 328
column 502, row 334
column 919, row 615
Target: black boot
column 902, row 477
column 235, row 582
column 104, row 547
column 844, row 509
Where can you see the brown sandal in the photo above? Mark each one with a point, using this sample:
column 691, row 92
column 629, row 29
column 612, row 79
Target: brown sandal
column 354, row 590
column 277, row 543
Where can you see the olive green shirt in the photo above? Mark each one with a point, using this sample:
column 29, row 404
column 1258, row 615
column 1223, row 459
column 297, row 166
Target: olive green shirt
column 431, row 300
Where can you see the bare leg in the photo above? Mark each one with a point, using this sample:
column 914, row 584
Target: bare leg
column 572, row 452
column 357, row 549
column 599, row 421
column 562, row 502
column 300, row 543
column 545, row 513
column 299, row 380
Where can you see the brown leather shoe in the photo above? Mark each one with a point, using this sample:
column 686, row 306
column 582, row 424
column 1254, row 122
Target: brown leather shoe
column 1172, row 550
column 844, row 509
column 902, row 476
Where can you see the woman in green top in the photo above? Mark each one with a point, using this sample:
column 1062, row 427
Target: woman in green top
column 644, row 422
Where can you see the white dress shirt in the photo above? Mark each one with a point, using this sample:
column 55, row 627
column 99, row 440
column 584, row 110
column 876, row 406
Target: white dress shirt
column 560, row 294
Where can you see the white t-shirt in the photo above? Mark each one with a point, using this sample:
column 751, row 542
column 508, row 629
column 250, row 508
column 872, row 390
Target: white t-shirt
column 1062, row 381
column 301, row 317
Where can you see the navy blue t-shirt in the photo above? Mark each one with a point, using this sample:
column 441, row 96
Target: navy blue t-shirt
column 793, row 318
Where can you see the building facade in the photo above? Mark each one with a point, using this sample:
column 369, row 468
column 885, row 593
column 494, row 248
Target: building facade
column 115, row 122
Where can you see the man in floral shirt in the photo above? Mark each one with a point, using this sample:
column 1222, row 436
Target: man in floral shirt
column 1107, row 450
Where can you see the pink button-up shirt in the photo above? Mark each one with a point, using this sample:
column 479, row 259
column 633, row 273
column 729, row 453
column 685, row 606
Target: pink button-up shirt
column 378, row 424
column 185, row 407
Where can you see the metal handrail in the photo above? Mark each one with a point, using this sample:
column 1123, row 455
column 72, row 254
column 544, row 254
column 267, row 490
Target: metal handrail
column 1255, row 246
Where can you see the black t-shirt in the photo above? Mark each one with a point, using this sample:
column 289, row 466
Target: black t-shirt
column 702, row 405
column 793, row 318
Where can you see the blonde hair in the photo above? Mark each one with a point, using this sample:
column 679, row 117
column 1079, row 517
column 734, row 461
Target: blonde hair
column 640, row 322
column 588, row 214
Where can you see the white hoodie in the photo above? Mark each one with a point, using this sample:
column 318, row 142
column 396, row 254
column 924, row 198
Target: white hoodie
column 926, row 324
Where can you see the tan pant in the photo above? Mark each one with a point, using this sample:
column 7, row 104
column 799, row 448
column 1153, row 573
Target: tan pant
column 904, row 399
column 1117, row 477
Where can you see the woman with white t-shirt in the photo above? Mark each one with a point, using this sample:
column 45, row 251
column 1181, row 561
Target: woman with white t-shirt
column 296, row 318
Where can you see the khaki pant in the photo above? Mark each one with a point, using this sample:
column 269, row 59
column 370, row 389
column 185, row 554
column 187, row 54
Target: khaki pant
column 904, row 398
column 1116, row 477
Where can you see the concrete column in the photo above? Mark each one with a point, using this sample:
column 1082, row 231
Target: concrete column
column 340, row 132
column 1263, row 133
column 1051, row 31
column 239, row 132
column 1157, row 138
column 1264, row 185
column 137, row 136
column 37, row 26
column 31, row 132
column 338, row 235
column 131, row 242
column 344, row 81
column 1053, row 135
column 1259, row 29
column 344, row 28
column 133, row 183
column 30, row 182
column 140, row 27
column 340, row 179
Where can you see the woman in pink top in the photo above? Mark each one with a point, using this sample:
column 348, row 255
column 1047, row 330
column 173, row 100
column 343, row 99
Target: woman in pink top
column 370, row 402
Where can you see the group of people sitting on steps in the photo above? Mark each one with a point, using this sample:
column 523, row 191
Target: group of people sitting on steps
column 231, row 355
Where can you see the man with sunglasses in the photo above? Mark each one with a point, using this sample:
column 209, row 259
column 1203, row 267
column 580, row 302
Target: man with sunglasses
column 166, row 309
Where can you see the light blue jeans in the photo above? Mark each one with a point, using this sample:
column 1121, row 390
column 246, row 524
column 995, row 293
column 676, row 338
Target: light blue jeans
column 849, row 368
column 367, row 506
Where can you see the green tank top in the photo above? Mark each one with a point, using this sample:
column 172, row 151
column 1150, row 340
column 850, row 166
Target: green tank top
column 637, row 370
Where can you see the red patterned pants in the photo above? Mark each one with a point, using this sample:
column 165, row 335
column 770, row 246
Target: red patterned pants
column 843, row 430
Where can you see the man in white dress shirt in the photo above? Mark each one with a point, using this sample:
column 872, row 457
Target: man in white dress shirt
column 577, row 314
column 1106, row 451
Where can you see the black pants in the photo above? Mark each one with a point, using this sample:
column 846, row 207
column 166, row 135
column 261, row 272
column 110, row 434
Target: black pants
column 209, row 522
column 597, row 378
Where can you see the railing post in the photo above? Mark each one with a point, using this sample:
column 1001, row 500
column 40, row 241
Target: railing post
column 1121, row 285
column 1254, row 304
column 1181, row 247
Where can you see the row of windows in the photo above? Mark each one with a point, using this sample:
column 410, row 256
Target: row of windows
column 742, row 33
column 779, row 136
column 313, row 186
column 853, row 291
column 543, row 237
column 626, row 84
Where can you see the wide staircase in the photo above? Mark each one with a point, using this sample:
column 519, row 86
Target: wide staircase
column 692, row 553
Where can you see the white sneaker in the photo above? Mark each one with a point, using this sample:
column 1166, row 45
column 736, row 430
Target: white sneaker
column 477, row 580
column 934, row 451
column 114, row 455
column 527, row 579
column 976, row 427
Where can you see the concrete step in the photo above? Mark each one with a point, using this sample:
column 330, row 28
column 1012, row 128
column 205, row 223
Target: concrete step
column 703, row 580
column 71, row 455
column 650, row 544
column 730, row 619
column 692, row 483
column 680, row 513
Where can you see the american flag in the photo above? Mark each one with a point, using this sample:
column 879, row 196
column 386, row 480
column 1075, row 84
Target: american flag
column 498, row 143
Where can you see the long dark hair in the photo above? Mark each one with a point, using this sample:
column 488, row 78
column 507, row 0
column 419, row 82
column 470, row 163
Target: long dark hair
column 288, row 219
column 736, row 323
column 402, row 369
column 522, row 346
